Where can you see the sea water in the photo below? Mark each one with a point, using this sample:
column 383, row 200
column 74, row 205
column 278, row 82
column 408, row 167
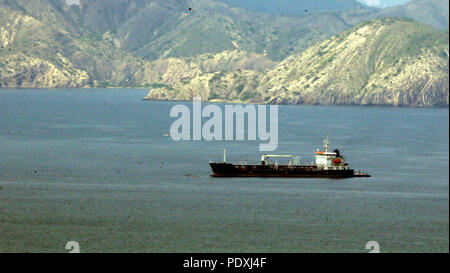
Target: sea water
column 97, row 166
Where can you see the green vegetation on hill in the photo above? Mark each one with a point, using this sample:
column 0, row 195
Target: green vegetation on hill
column 431, row 12
column 183, row 47
column 154, row 29
column 47, row 43
column 389, row 61
column 295, row 7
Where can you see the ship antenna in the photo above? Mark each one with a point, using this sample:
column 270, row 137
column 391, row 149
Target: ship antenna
column 326, row 142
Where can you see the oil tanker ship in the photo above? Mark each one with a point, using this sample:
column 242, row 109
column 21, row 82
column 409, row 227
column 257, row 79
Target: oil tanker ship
column 327, row 165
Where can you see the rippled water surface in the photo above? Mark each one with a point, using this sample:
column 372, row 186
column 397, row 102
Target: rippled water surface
column 97, row 167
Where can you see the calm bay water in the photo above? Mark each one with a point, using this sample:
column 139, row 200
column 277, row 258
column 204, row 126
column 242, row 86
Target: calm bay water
column 95, row 166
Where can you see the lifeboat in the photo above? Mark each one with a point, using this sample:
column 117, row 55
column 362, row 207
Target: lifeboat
column 337, row 161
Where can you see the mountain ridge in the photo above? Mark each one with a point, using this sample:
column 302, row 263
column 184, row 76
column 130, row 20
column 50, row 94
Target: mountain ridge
column 170, row 43
column 389, row 61
column 295, row 7
column 431, row 12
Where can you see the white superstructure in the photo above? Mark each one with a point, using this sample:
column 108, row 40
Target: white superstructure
column 327, row 160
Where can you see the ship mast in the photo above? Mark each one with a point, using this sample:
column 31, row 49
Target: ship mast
column 325, row 144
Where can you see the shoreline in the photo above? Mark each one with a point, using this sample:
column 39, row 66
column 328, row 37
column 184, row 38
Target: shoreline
column 218, row 100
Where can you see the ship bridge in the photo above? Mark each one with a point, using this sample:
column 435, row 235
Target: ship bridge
column 327, row 160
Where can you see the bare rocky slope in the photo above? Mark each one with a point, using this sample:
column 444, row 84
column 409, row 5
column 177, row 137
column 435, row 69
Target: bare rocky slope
column 46, row 43
column 388, row 61
column 179, row 48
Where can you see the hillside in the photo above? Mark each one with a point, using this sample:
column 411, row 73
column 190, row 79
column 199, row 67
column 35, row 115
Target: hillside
column 28, row 57
column 212, row 27
column 295, row 7
column 46, row 43
column 154, row 29
column 35, row 53
column 382, row 62
column 430, row 12
column 185, row 47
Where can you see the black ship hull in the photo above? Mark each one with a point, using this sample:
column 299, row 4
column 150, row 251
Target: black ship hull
column 232, row 170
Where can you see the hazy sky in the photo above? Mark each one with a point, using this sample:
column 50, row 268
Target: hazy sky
column 383, row 3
